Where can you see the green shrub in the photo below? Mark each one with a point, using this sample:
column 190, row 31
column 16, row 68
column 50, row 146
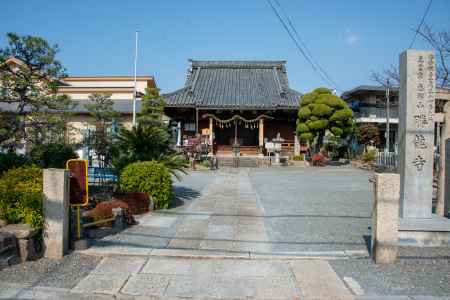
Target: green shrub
column 300, row 157
column 21, row 196
column 306, row 136
column 342, row 114
column 52, row 155
column 206, row 163
column 317, row 125
column 11, row 160
column 304, row 112
column 302, row 127
column 150, row 177
column 369, row 156
column 321, row 109
column 337, row 131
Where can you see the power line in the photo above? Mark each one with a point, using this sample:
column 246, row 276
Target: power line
column 305, row 47
column 421, row 23
column 326, row 80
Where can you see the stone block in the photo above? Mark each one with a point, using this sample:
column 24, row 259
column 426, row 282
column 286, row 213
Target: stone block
column 101, row 283
column 7, row 241
column 27, row 249
column 385, row 218
column 317, row 280
column 21, row 231
column 146, row 285
column 416, row 132
column 443, row 196
column 56, row 212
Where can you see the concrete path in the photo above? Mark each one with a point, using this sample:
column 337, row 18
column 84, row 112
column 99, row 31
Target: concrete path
column 278, row 233
column 181, row 278
column 256, row 212
column 205, row 278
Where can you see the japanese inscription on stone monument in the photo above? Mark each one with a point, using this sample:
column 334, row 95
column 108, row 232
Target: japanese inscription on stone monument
column 416, row 132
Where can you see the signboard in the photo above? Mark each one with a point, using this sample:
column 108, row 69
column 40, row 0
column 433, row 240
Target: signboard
column 78, row 181
column 205, row 131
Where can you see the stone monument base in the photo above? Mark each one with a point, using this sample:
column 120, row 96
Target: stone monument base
column 432, row 232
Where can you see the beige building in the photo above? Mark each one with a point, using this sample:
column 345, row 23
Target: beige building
column 121, row 90
column 80, row 87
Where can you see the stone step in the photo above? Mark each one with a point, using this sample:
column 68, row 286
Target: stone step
column 243, row 162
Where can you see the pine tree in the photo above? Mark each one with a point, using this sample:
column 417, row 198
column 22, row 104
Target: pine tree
column 321, row 111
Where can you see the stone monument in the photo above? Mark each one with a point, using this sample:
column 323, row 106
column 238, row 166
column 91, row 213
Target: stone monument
column 416, row 133
column 417, row 224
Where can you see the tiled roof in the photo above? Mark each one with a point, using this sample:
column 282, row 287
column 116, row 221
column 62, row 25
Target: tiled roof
column 235, row 84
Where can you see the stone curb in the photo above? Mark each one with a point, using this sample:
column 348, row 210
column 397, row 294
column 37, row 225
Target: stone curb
column 211, row 254
column 42, row 292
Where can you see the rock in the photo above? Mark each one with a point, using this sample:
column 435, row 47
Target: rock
column 27, row 249
column 3, row 223
column 21, row 231
column 7, row 241
column 8, row 250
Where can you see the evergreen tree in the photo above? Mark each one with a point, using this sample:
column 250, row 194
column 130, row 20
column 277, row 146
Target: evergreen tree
column 29, row 85
column 321, row 111
column 102, row 110
column 152, row 110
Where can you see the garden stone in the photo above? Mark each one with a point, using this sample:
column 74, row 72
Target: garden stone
column 21, row 231
column 8, row 250
column 25, row 235
column 27, row 248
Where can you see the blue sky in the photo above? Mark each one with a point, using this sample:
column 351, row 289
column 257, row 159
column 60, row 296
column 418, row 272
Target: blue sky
column 350, row 38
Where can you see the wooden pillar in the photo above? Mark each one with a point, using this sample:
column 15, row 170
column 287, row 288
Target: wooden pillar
column 261, row 132
column 197, row 130
column 211, row 128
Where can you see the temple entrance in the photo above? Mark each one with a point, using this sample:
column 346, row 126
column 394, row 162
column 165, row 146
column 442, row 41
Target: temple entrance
column 248, row 134
column 244, row 137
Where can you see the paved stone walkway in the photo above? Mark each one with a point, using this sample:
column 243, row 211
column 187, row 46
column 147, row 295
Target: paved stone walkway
column 129, row 277
column 250, row 234
column 247, row 212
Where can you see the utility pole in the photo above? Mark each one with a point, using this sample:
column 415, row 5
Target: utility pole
column 135, row 67
column 387, row 117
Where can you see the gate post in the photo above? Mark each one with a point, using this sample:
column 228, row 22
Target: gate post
column 385, row 217
column 56, row 212
column 443, row 196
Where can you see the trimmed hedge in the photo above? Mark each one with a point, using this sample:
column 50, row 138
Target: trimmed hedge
column 150, row 177
column 21, row 196
column 12, row 160
column 52, row 155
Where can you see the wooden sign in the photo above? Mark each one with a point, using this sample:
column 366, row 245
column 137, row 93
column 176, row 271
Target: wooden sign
column 78, row 181
column 205, row 131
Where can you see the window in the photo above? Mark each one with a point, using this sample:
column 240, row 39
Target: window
column 189, row 126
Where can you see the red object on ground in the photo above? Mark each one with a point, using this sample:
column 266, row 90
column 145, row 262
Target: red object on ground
column 318, row 159
column 138, row 202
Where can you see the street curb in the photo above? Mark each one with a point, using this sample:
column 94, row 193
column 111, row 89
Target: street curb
column 212, row 254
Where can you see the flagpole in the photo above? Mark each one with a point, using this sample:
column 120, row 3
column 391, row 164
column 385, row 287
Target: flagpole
column 135, row 67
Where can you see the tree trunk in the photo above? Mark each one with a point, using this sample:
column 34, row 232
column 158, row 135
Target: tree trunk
column 319, row 141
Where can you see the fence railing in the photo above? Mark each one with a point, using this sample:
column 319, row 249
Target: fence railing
column 387, row 159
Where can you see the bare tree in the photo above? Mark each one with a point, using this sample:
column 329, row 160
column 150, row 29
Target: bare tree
column 440, row 42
